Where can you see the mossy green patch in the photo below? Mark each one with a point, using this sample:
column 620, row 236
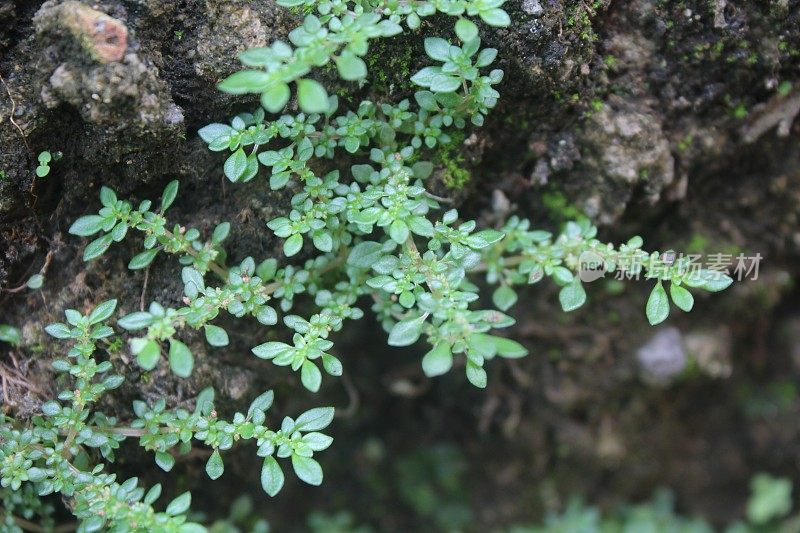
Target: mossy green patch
column 455, row 175
column 390, row 67
column 558, row 207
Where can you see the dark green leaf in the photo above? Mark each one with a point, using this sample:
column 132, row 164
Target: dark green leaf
column 169, row 194
column 88, row 225
column 102, row 312
column 143, row 259
column 97, row 247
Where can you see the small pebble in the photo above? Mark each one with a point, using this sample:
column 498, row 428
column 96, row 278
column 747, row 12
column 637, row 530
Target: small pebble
column 532, row 7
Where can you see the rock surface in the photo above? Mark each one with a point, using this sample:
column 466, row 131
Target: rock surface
column 673, row 120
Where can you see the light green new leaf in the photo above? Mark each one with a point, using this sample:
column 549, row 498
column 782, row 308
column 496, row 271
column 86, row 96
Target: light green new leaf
column 438, row 361
column 245, row 81
column 147, row 353
column 35, row 282
column 682, row 298
column 307, row 469
column 504, row 297
column 476, row 375
column 293, row 245
column 509, row 349
column 179, row 505
column 466, row 29
column 274, row 99
column 351, row 67
column 495, row 17
column 181, row 360
column 437, row 48
column 311, row 96
column 406, row 332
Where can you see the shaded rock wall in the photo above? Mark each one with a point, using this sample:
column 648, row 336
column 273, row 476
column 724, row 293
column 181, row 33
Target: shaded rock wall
column 675, row 120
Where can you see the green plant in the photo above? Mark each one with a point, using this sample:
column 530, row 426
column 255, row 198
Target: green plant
column 10, row 334
column 341, row 32
column 45, row 158
column 771, row 499
column 243, row 517
column 379, row 233
column 60, row 450
column 770, row 502
column 35, row 282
